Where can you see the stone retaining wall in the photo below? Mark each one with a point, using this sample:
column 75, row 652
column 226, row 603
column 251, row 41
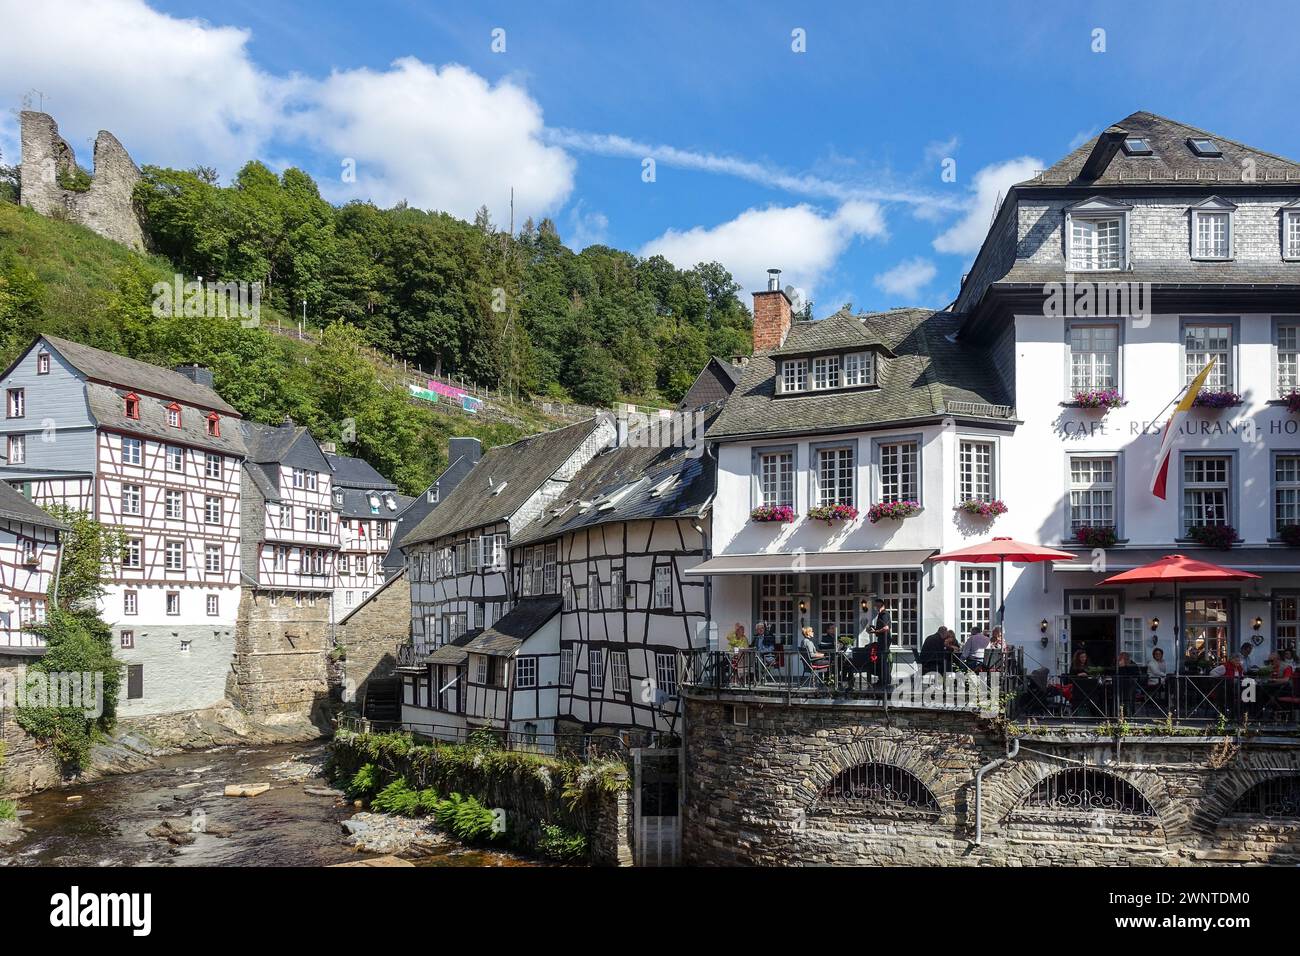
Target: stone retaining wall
column 752, row 793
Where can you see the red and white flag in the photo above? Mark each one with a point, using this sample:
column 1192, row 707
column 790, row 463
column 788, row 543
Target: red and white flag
column 1161, row 476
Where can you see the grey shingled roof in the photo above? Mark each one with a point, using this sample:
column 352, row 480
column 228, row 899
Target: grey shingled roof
column 1162, row 272
column 835, row 333
column 135, row 375
column 617, row 468
column 1172, row 160
column 453, row 652
column 14, row 506
column 523, row 466
column 520, row 623
column 929, row 371
column 357, row 479
column 107, row 405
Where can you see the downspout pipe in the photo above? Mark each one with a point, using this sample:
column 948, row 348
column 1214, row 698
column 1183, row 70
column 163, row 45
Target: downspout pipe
column 1013, row 748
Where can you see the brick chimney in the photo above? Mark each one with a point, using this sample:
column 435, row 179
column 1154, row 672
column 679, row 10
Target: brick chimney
column 772, row 313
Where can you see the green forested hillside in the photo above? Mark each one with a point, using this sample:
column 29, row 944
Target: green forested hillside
column 62, row 279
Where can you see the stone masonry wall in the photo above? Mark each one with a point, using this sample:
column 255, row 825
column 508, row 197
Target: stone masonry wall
column 752, row 793
column 371, row 633
column 107, row 207
column 281, row 656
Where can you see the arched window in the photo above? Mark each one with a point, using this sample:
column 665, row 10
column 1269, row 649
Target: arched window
column 877, row 787
column 1279, row 797
column 1084, row 789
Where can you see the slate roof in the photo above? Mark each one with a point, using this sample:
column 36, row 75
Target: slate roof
column 1163, row 272
column 356, row 479
column 357, row 473
column 840, row 332
column 1172, row 160
column 14, row 506
column 514, row 627
column 641, row 468
column 929, row 371
column 108, row 406
column 133, row 374
column 522, row 466
column 453, row 652
column 270, row 446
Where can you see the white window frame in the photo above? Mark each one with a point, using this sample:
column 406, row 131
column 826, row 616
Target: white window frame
column 175, row 458
column 133, row 553
column 1088, row 488
column 566, row 667
column 858, row 369
column 1206, row 214
column 663, row 588
column 617, row 596
column 842, row 486
column 526, row 672
column 1091, row 214
column 132, row 500
column 621, row 679
column 1092, row 366
column 1195, row 490
column 211, row 502
column 666, row 673
column 213, row 605
column 17, row 407
column 171, row 498
column 1223, row 375
column 212, row 465
column 1286, row 356
column 825, row 372
column 130, row 603
column 794, row 376
column 1285, row 489
column 976, row 586
column 969, row 482
column 1291, row 235
column 596, row 669
column 211, row 551
column 899, row 466
column 132, row 451
column 778, row 465
column 17, row 449
column 593, row 591
column 174, row 555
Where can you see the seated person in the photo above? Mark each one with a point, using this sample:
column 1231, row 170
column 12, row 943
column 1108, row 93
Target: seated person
column 809, row 646
column 1079, row 664
column 1156, row 672
column 1197, row 659
column 997, row 651
column 1277, row 670
column 952, row 648
column 973, row 649
column 828, row 636
column 933, row 651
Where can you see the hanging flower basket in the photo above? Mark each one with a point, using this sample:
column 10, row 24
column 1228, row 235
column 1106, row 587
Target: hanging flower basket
column 783, row 514
column 1096, row 536
column 1292, row 400
column 1221, row 536
column 1098, row 398
column 832, row 513
column 1290, row 535
column 893, row 510
column 983, row 509
column 1216, row 399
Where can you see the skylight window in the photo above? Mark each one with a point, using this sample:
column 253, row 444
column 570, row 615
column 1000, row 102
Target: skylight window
column 1204, row 147
column 1137, row 146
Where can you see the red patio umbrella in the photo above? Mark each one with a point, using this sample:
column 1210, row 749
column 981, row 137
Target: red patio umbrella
column 1174, row 568
column 1003, row 550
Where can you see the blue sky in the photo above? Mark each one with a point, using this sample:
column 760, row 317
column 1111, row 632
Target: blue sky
column 826, row 163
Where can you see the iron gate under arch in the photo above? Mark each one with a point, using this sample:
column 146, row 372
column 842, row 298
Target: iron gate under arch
column 1276, row 798
column 877, row 787
column 1085, row 789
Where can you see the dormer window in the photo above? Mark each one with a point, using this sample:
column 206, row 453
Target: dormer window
column 1212, row 229
column 131, row 406
column 1096, row 234
column 1203, row 146
column 826, row 372
column 859, row 369
column 214, row 425
column 1137, row 146
column 794, row 375
column 1291, row 232
column 174, row 415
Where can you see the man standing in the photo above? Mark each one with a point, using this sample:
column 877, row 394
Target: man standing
column 881, row 627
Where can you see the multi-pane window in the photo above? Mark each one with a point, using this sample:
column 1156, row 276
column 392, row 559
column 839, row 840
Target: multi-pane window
column 131, row 451
column 130, row 499
column 174, row 555
column 212, row 558
column 794, row 375
column 1286, row 622
column 663, row 592
column 901, row 591
column 212, row 465
column 175, row 458
column 132, row 553
column 616, row 597
column 835, row 474
column 1094, row 356
column 898, row 477
column 17, row 402
column 175, row 504
column 974, row 599
column 1287, row 344
column 593, row 591
column 838, row 607
column 566, row 590
column 596, row 669
column 776, row 606
column 1201, row 343
column 1206, row 490
column 173, row 602
column 1211, row 235
column 130, row 602
column 1092, row 493
column 1096, row 243
column 525, row 672
column 566, row 667
column 17, row 449
column 214, row 604
column 776, row 478
column 211, row 509
column 618, row 671
column 127, row 640
column 666, row 673
column 550, row 569
column 214, row 425
column 1286, row 491
column 975, row 470
column 494, row 551
column 1291, row 234
column 43, row 363
column 826, row 372
column 279, row 558
column 859, row 369
column 174, row 416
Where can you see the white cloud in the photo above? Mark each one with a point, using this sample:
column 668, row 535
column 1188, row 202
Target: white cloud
column 990, row 184
column 587, row 227
column 1081, row 137
column 800, row 240
column 183, row 92
column 907, row 278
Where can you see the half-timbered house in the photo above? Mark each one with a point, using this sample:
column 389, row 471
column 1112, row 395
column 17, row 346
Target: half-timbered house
column 462, row 455
column 460, row 574
column 367, row 504
column 158, row 454
column 30, row 543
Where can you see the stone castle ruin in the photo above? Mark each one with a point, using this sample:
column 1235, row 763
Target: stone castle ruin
column 51, row 182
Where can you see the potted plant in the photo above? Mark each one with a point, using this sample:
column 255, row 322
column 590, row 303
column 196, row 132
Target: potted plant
column 1221, row 536
column 779, row 513
column 1216, row 398
column 983, row 509
column 1096, row 536
column 1290, row 535
column 832, row 513
column 1292, row 400
column 1104, row 398
column 893, row 510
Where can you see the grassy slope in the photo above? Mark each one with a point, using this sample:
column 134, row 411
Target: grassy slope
column 77, row 268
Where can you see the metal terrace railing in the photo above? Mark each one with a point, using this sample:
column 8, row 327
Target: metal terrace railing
column 980, row 409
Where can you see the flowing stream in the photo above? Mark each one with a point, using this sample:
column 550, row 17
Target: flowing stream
column 286, row 826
